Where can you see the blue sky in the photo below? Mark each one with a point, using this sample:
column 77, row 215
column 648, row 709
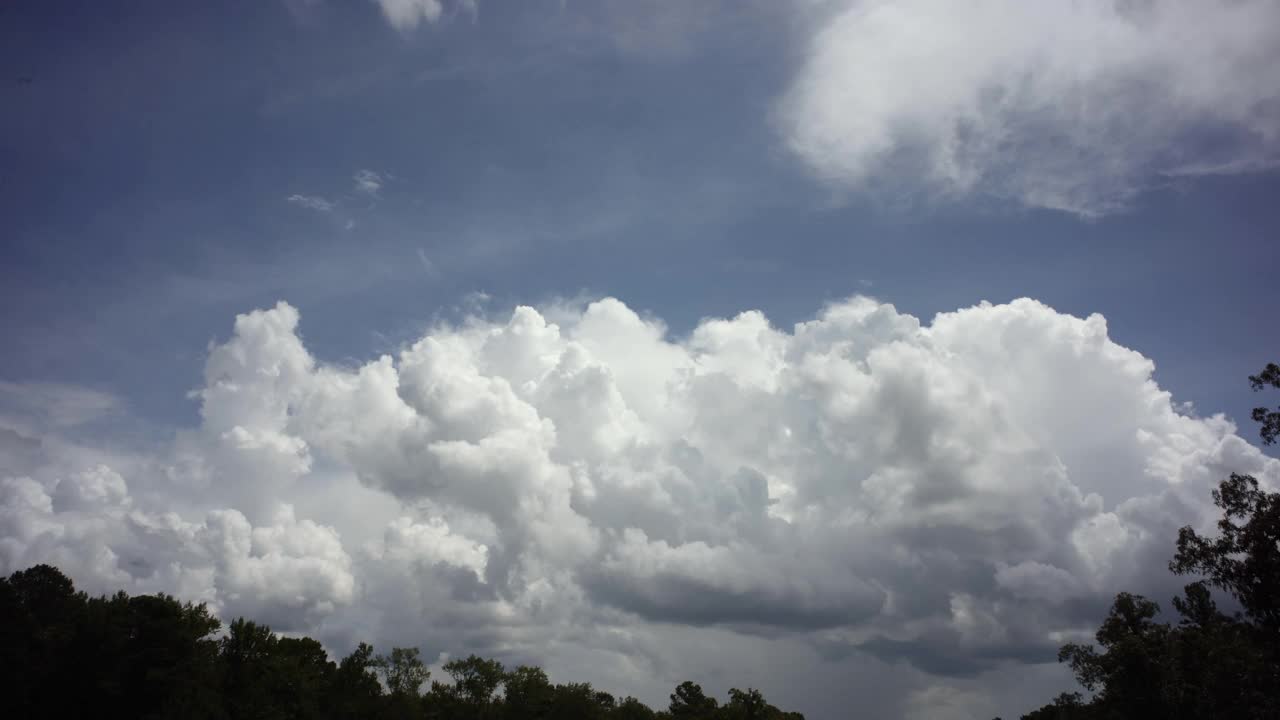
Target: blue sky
column 529, row 155
column 168, row 165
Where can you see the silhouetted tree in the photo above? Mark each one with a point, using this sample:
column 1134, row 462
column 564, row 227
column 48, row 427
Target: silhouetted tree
column 1210, row 664
column 354, row 691
column 65, row 654
column 472, row 694
column 580, row 700
column 248, row 676
column 689, row 702
column 527, row 694
column 1269, row 419
column 403, row 672
column 629, row 708
column 40, row 609
column 1244, row 559
column 746, row 704
column 303, row 673
column 476, row 678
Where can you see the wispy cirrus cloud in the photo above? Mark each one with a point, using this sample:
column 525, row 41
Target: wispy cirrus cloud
column 56, row 405
column 368, row 182
column 311, row 202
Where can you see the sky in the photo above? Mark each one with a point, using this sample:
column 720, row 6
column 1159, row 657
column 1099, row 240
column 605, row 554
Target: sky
column 855, row 350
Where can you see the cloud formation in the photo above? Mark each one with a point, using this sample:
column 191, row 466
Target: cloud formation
column 409, row 14
column 311, row 202
column 574, row 482
column 368, row 182
column 1072, row 106
column 53, row 405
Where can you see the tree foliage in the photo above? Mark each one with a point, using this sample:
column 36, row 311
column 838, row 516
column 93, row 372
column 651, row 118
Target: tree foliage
column 65, row 654
column 1209, row 664
column 688, row 701
column 1269, row 419
column 403, row 672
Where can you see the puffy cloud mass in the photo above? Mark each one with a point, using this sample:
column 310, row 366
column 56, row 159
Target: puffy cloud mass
column 567, row 485
column 1075, row 106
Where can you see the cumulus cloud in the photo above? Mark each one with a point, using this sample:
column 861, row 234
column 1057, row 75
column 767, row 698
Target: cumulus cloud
column 1073, row 106
column 575, row 482
column 289, row 573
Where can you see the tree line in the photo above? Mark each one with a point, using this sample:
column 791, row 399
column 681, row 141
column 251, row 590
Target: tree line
column 66, row 654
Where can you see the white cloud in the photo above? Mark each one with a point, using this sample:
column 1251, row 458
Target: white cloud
column 574, row 486
column 1074, row 106
column 408, row 14
column 288, row 573
column 368, row 181
column 95, row 486
column 311, row 202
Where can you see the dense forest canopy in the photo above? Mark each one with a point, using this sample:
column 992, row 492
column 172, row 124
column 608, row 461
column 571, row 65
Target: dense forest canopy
column 66, row 654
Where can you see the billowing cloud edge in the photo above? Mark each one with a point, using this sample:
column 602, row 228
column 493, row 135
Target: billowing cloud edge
column 962, row 496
